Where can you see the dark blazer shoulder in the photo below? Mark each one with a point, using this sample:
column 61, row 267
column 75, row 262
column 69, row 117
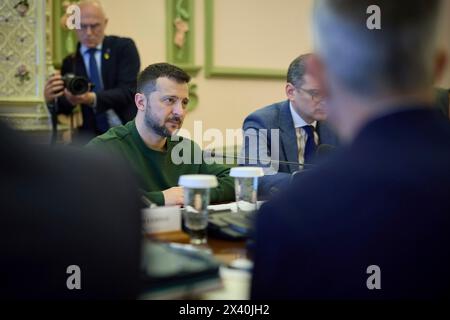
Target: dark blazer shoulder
column 69, row 62
column 266, row 117
column 72, row 55
column 112, row 42
column 326, row 134
column 116, row 42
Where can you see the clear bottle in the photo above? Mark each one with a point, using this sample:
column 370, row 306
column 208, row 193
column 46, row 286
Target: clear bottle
column 246, row 188
column 196, row 200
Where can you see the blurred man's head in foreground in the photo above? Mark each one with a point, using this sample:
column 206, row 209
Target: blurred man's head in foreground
column 364, row 67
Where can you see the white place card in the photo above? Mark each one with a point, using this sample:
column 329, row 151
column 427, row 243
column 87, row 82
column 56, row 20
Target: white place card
column 161, row 219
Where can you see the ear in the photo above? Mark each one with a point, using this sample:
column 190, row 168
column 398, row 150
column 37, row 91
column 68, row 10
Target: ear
column 290, row 91
column 141, row 101
column 440, row 63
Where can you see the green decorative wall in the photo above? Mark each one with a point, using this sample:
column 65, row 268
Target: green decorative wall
column 63, row 40
column 22, row 63
column 20, row 49
column 214, row 70
column 180, row 41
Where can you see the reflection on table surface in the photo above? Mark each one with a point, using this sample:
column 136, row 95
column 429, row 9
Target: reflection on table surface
column 232, row 255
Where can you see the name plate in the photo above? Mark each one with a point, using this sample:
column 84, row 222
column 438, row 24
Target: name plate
column 161, row 219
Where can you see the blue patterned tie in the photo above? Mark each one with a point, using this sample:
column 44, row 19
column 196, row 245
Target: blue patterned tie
column 310, row 146
column 101, row 119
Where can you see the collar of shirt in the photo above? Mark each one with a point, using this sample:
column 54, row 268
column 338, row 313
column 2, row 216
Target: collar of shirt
column 298, row 121
column 84, row 49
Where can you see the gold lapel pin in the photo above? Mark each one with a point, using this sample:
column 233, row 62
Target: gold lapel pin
column 106, row 55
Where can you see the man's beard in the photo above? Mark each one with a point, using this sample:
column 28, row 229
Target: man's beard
column 160, row 130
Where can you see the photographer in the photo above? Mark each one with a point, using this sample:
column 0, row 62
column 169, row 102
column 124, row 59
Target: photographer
column 109, row 63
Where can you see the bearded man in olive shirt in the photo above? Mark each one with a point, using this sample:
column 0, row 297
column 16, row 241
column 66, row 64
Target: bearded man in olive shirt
column 150, row 144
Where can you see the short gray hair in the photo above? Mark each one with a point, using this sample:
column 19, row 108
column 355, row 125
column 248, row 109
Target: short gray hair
column 397, row 57
column 95, row 3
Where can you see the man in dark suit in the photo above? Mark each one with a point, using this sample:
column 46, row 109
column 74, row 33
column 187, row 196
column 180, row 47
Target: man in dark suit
column 60, row 210
column 285, row 135
column 110, row 63
column 372, row 222
column 443, row 101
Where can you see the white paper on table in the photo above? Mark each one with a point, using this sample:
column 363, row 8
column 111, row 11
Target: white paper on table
column 161, row 219
column 230, row 206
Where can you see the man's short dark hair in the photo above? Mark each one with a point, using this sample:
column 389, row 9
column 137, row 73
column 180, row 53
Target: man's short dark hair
column 297, row 70
column 146, row 81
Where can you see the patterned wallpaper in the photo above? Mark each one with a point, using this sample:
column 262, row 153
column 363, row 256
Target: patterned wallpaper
column 18, row 48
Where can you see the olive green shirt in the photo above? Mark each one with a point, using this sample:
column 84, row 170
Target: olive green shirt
column 155, row 170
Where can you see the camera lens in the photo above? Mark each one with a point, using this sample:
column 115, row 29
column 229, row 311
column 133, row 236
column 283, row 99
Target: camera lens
column 75, row 84
column 78, row 86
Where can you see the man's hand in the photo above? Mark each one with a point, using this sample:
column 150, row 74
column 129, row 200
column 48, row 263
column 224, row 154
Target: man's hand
column 85, row 98
column 54, row 87
column 173, row 196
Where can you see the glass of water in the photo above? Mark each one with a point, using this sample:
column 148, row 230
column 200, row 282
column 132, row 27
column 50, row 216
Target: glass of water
column 196, row 201
column 246, row 188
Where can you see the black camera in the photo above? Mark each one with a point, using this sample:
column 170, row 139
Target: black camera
column 75, row 84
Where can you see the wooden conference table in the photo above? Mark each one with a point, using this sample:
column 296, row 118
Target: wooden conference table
column 225, row 251
column 235, row 283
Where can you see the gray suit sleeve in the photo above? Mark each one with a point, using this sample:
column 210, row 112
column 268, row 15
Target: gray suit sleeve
column 258, row 150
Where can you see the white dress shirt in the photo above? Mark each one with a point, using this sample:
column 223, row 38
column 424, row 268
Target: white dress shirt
column 113, row 118
column 98, row 59
column 301, row 133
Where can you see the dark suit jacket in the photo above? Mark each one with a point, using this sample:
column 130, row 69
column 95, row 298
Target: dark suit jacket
column 278, row 116
column 120, row 67
column 381, row 201
column 62, row 208
column 442, row 100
